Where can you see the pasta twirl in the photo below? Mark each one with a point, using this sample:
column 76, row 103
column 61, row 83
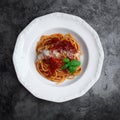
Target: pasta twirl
column 51, row 50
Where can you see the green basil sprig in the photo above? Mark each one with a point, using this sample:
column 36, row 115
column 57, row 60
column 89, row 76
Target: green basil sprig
column 70, row 65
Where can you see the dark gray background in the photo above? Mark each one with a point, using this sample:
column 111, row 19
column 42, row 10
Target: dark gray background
column 102, row 102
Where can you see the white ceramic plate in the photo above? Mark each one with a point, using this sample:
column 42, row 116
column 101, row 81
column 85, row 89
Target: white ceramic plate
column 24, row 57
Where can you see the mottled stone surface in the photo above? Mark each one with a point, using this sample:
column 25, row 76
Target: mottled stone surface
column 102, row 102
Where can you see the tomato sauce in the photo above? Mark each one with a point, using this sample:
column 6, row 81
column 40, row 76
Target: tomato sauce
column 53, row 41
column 62, row 45
column 53, row 64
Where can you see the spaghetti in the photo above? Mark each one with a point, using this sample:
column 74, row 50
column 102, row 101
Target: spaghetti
column 51, row 51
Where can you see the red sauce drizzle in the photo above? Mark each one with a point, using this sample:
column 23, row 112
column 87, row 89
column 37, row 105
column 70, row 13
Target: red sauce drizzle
column 53, row 41
column 53, row 63
column 62, row 45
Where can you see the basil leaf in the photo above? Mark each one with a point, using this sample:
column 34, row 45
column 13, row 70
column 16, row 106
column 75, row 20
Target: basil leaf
column 75, row 63
column 66, row 60
column 72, row 69
column 65, row 66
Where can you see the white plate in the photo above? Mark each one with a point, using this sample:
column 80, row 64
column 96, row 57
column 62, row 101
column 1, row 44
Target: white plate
column 24, row 57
